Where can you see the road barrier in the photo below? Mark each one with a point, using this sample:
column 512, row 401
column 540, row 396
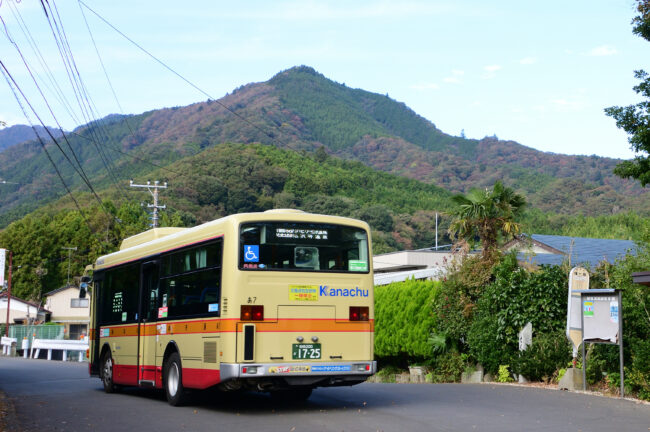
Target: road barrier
column 64, row 345
column 8, row 345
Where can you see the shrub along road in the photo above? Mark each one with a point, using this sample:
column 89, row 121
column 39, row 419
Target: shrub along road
column 60, row 396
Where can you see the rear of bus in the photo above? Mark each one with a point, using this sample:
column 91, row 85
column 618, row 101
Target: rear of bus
column 303, row 288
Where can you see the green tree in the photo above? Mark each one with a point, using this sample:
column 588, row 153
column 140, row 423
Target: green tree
column 635, row 119
column 487, row 214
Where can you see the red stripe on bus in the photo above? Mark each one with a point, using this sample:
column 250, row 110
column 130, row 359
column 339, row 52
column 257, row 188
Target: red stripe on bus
column 125, row 374
column 200, row 378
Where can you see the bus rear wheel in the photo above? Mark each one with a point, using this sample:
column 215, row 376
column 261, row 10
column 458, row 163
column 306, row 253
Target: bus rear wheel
column 107, row 374
column 174, row 380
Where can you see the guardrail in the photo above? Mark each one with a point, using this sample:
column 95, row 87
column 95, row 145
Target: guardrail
column 7, row 343
column 64, row 345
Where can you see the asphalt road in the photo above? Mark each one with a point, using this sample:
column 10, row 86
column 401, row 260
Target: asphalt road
column 57, row 396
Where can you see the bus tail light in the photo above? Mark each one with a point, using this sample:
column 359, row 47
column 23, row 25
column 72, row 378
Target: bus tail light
column 363, row 367
column 359, row 313
column 252, row 313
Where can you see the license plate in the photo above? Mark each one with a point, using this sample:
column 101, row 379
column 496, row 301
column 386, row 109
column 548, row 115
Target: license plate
column 305, row 351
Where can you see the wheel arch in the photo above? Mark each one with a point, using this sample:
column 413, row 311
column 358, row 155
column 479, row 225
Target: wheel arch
column 171, row 347
column 106, row 348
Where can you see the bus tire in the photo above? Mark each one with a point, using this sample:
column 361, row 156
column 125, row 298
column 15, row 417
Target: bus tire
column 107, row 373
column 174, row 380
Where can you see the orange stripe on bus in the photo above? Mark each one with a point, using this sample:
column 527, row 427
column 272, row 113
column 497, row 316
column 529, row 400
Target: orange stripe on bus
column 230, row 326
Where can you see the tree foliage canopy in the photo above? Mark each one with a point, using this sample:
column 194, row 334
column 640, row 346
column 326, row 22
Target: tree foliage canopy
column 635, row 119
column 487, row 214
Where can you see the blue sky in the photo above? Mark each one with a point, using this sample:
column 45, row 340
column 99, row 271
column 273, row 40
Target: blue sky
column 539, row 73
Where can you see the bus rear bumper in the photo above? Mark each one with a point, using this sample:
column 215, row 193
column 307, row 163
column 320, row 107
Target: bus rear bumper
column 349, row 371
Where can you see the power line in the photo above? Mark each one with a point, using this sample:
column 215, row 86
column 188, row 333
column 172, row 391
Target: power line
column 78, row 168
column 11, row 80
column 76, row 81
column 101, row 62
column 169, row 68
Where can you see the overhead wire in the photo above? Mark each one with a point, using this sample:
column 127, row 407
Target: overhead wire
column 10, row 80
column 196, row 87
column 81, row 92
column 101, row 62
column 86, row 94
column 75, row 81
column 58, row 92
column 78, row 168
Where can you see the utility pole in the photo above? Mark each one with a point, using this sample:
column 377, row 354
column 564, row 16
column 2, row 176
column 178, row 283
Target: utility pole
column 153, row 190
column 436, row 231
column 69, row 249
column 8, row 292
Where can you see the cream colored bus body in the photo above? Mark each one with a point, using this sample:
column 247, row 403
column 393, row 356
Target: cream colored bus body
column 211, row 349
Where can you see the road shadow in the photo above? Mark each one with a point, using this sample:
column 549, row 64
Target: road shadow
column 251, row 402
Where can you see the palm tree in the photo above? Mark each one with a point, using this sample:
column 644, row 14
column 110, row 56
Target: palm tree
column 487, row 214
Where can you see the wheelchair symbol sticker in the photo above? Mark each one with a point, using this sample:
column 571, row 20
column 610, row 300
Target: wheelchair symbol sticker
column 251, row 253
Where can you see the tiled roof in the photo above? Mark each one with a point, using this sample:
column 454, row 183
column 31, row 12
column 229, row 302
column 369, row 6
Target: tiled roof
column 583, row 251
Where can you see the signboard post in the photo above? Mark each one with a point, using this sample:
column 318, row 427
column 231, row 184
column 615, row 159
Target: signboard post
column 578, row 281
column 602, row 322
column 525, row 340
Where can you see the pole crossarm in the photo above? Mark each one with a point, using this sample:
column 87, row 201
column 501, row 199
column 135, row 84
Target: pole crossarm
column 153, row 190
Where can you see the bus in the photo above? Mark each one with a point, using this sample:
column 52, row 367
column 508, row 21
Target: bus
column 279, row 301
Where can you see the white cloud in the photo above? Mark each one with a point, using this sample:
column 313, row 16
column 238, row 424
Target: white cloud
column 491, row 71
column 528, row 60
column 425, row 86
column 451, row 80
column 602, row 51
column 457, row 72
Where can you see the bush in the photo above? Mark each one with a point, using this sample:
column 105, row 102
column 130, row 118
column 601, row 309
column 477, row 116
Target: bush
column 515, row 298
column 547, row 353
column 504, row 376
column 404, row 321
column 447, row 368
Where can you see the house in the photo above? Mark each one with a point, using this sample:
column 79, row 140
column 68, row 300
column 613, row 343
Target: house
column 419, row 264
column 21, row 311
column 70, row 310
column 551, row 249
column 642, row 278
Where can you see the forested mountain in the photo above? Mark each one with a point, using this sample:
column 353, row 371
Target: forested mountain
column 301, row 110
column 20, row 133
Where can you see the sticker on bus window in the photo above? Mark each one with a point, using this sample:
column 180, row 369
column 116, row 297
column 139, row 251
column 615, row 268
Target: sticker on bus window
column 123, row 316
column 213, row 307
column 162, row 312
column 357, row 265
column 251, row 253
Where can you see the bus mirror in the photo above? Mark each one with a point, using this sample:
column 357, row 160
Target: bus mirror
column 83, row 288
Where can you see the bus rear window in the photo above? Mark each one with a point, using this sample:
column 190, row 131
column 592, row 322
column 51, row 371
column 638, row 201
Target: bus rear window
column 294, row 246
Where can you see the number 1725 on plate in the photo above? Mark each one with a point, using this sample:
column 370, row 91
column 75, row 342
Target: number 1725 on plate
column 305, row 351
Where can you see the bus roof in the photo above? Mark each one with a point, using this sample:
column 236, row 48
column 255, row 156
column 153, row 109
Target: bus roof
column 159, row 240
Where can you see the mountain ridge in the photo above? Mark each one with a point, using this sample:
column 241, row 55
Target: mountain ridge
column 301, row 110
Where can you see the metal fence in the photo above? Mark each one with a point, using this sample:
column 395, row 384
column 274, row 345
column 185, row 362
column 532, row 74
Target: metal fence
column 30, row 332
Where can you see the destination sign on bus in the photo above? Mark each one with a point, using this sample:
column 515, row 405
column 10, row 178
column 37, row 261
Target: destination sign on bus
column 301, row 234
